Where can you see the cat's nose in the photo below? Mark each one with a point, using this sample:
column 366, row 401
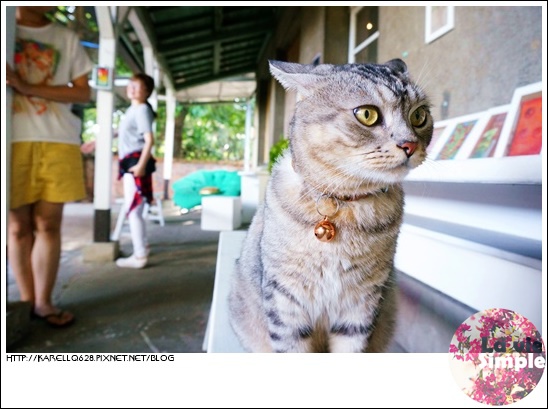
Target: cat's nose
column 408, row 147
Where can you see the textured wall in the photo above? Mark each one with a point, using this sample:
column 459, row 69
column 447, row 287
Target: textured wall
column 312, row 33
column 477, row 65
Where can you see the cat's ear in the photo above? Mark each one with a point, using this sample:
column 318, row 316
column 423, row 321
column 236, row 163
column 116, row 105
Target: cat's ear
column 293, row 76
column 398, row 66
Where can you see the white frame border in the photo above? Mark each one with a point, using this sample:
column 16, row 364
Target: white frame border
column 521, row 95
column 451, row 124
column 430, row 36
column 470, row 143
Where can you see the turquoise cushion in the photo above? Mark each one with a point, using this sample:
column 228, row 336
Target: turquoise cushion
column 187, row 190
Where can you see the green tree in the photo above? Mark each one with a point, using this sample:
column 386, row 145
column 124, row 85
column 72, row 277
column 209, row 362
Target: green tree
column 214, row 132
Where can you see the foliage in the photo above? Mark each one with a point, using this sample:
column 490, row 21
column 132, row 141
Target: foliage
column 82, row 21
column 214, row 132
column 277, row 149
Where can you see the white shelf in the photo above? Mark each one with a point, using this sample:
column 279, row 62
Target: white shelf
column 506, row 170
column 476, row 275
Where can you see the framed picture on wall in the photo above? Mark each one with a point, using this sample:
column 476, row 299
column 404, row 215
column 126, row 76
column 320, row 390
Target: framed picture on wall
column 485, row 136
column 440, row 128
column 456, row 135
column 439, row 21
column 502, row 144
column 102, row 77
column 522, row 131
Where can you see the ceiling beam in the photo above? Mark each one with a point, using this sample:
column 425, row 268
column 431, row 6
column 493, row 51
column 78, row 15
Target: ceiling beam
column 144, row 29
column 201, row 63
column 217, row 24
column 191, row 57
column 225, row 35
column 182, row 84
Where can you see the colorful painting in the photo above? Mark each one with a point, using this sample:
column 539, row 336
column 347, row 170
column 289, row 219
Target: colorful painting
column 487, row 142
column 435, row 137
column 456, row 140
column 102, row 77
column 528, row 134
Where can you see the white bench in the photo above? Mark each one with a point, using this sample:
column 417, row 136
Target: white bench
column 219, row 335
column 221, row 212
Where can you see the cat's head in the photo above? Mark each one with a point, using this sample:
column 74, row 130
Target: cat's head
column 355, row 124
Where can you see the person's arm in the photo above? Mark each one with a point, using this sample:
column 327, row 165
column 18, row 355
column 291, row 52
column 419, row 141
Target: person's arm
column 140, row 168
column 77, row 92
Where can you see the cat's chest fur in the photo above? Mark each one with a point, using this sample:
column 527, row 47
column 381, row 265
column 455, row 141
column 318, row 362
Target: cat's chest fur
column 329, row 272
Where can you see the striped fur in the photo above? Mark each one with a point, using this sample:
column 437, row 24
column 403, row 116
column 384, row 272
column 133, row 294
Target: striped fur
column 291, row 292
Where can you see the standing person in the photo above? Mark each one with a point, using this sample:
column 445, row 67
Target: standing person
column 50, row 73
column 135, row 142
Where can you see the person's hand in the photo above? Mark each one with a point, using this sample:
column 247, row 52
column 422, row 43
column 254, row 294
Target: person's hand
column 14, row 81
column 87, row 147
column 138, row 171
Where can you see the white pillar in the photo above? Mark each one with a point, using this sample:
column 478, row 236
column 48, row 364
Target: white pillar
column 103, row 144
column 247, row 146
column 171, row 104
column 148, row 54
column 9, row 35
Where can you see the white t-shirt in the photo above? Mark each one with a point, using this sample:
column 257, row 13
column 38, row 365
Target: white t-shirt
column 137, row 121
column 49, row 55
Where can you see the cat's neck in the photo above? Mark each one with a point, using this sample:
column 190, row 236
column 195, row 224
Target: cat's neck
column 367, row 190
column 315, row 193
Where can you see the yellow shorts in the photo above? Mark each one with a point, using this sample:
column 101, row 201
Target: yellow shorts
column 47, row 171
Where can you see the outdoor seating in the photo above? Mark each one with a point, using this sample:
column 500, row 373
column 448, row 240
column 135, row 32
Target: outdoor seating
column 187, row 190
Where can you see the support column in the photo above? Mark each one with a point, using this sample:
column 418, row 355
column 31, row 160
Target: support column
column 103, row 249
column 171, row 104
column 103, row 144
column 9, row 46
column 248, row 142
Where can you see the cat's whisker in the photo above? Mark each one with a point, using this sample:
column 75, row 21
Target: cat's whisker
column 431, row 165
column 424, row 74
column 364, row 153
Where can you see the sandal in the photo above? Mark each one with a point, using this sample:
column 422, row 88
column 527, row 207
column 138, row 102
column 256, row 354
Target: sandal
column 54, row 319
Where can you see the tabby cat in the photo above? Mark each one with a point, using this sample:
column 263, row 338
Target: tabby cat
column 316, row 273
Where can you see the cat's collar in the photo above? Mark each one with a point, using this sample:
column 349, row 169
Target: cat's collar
column 325, row 230
column 351, row 198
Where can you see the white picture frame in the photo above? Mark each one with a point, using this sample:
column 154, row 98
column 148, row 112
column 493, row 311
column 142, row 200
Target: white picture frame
column 102, row 78
column 484, row 138
column 441, row 130
column 454, row 136
column 521, row 95
column 439, row 21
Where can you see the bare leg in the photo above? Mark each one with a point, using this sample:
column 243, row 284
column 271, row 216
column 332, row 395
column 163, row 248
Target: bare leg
column 46, row 253
column 20, row 242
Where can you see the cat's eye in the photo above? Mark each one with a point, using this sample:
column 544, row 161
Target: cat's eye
column 367, row 115
column 418, row 117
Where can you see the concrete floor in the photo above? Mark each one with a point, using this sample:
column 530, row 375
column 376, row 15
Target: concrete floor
column 165, row 306
column 161, row 308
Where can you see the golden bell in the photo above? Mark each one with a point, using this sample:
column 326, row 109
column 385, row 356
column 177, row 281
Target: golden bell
column 324, row 230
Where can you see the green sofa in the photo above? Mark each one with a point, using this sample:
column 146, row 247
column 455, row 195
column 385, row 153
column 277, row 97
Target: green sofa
column 187, row 190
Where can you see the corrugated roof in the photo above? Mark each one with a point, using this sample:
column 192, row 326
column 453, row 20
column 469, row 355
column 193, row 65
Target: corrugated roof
column 209, row 53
